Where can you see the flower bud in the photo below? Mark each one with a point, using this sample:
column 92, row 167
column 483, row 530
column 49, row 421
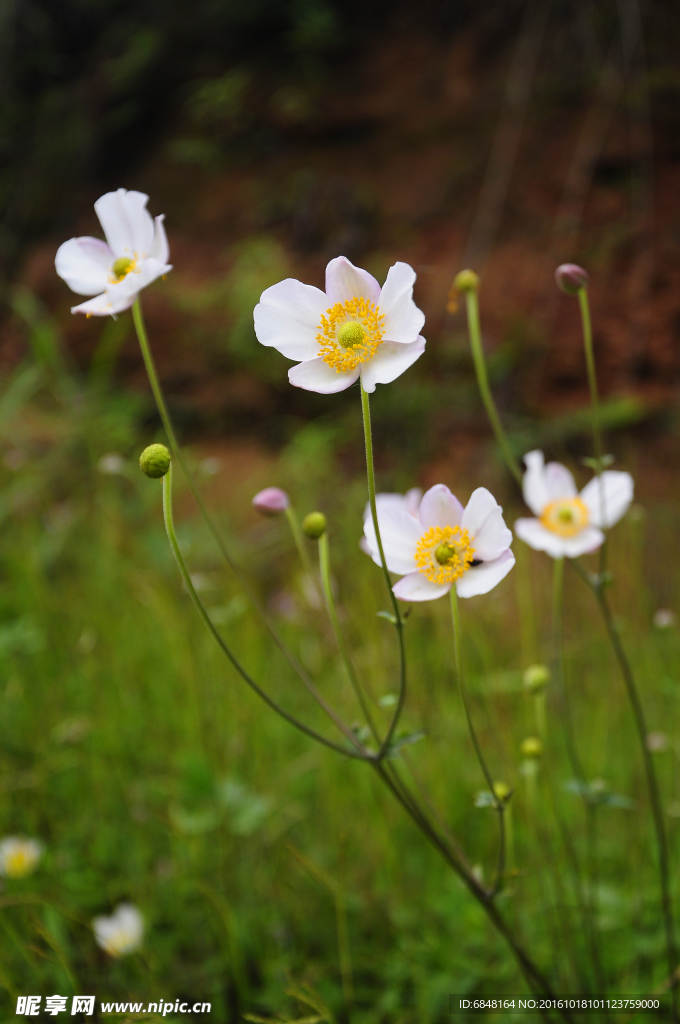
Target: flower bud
column 571, row 278
column 466, row 281
column 502, row 791
column 531, row 747
column 536, row 678
column 272, row 501
column 314, row 525
column 155, row 461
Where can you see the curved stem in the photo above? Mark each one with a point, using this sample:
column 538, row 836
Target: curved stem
column 175, row 449
column 398, row 621
column 498, row 802
column 475, row 332
column 299, row 542
column 324, row 566
column 584, row 306
column 358, row 752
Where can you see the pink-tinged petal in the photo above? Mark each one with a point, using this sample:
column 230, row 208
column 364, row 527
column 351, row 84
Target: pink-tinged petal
column 399, row 533
column 413, row 498
column 345, row 281
column 288, row 317
column 84, row 263
column 440, row 508
column 534, row 485
column 403, row 320
column 133, row 282
column 608, row 497
column 587, row 540
column 416, row 587
column 483, row 519
column 534, row 533
column 316, row 375
column 160, row 249
column 483, row 578
column 103, row 305
column 389, row 362
column 559, row 481
column 127, row 224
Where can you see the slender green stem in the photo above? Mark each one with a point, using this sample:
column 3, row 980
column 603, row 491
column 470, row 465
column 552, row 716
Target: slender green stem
column 325, row 569
column 475, row 332
column 498, row 802
column 357, row 752
column 299, row 541
column 174, row 447
column 398, row 621
column 586, row 322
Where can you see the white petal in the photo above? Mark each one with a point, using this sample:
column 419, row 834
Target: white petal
column 440, row 508
column 416, row 587
column 534, row 533
column 132, row 284
column 84, row 263
column 606, row 506
column 288, row 317
column 399, row 533
column 316, row 375
column 103, row 305
column 534, row 485
column 559, row 481
column 160, row 249
column 400, row 501
column 413, row 498
column 389, row 362
column 483, row 578
column 588, row 539
column 483, row 519
column 403, row 320
column 345, row 281
column 127, row 224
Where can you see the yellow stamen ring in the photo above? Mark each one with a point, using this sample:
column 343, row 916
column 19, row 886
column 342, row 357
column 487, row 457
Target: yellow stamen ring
column 566, row 517
column 444, row 553
column 350, row 333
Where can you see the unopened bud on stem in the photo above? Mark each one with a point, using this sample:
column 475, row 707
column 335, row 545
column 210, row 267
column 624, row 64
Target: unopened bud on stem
column 502, row 791
column 532, row 747
column 536, row 678
column 155, row 461
column 314, row 525
column 571, row 278
column 272, row 501
column 466, row 281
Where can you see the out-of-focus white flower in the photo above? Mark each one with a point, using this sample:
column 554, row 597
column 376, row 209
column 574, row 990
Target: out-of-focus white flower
column 122, row 932
column 19, row 856
column 111, row 464
column 445, row 544
column 353, row 329
column 664, row 618
column 135, row 254
column 570, row 524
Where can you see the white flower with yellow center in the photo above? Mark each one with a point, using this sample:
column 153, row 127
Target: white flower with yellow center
column 135, row 254
column 18, row 856
column 570, row 524
column 353, row 329
column 122, row 932
column 443, row 545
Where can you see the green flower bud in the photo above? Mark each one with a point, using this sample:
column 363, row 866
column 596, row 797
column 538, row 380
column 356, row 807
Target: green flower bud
column 536, row 678
column 502, row 791
column 466, row 281
column 155, row 461
column 532, row 747
column 314, row 525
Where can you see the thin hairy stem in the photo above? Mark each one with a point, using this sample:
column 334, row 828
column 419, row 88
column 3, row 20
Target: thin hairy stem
column 398, row 621
column 475, row 333
column 357, row 752
column 498, row 802
column 586, row 322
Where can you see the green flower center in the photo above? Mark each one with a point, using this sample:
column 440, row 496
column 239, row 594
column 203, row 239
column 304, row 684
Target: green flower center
column 351, row 333
column 121, row 267
column 444, row 553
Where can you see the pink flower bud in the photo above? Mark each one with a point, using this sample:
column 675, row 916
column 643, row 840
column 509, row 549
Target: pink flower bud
column 272, row 501
column 571, row 278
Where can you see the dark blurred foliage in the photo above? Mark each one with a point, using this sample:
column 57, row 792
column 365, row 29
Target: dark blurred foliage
column 87, row 87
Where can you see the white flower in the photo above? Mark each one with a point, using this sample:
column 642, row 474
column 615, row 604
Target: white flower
column 122, row 932
column 570, row 524
column 136, row 254
column 410, row 502
column 444, row 544
column 18, row 856
column 353, row 329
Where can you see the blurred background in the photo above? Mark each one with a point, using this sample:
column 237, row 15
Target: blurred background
column 275, row 135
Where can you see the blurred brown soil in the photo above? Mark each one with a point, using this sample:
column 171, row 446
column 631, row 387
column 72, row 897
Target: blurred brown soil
column 409, row 156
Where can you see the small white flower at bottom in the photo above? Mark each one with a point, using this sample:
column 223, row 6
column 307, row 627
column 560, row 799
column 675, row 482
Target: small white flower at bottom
column 443, row 545
column 19, row 856
column 122, row 932
column 570, row 524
